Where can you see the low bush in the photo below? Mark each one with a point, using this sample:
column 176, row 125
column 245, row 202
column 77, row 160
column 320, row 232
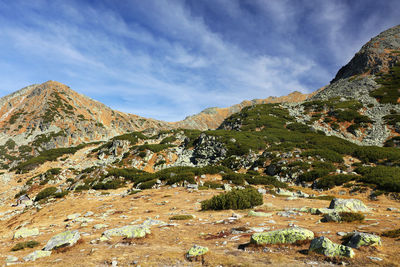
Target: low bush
column 212, row 185
column 26, row 244
column 235, row 199
column 45, row 193
column 313, row 175
column 147, row 184
column 391, row 233
column 328, row 182
column 351, row 216
column 181, row 217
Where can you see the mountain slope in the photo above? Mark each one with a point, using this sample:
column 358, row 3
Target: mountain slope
column 212, row 118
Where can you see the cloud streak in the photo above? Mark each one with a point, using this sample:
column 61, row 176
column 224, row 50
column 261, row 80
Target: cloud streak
column 169, row 59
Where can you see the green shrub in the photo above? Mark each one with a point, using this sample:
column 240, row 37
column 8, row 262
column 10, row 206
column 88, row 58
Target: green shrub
column 20, row 193
column 235, row 199
column 114, row 184
column 392, row 233
column 351, row 216
column 212, row 185
column 384, row 177
column 82, row 187
column 389, row 91
column 61, row 194
column 325, row 197
column 148, row 184
column 313, row 175
column 26, row 244
column 266, row 180
column 181, row 217
column 324, row 153
column 45, row 193
column 328, row 182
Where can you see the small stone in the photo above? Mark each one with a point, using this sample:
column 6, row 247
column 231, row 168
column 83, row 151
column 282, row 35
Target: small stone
column 11, row 259
column 89, row 213
column 36, row 255
column 100, row 226
column 73, row 216
column 253, row 213
column 374, row 258
column 196, row 251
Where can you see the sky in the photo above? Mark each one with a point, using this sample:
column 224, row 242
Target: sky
column 167, row 59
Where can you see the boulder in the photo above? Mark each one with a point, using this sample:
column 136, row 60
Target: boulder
column 324, row 246
column 128, row 231
column 362, row 239
column 65, row 239
column 348, row 205
column 25, row 232
column 332, row 217
column 196, row 251
column 36, row 255
column 253, row 213
column 283, row 236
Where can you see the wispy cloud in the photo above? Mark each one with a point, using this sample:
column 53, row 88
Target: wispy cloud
column 169, row 59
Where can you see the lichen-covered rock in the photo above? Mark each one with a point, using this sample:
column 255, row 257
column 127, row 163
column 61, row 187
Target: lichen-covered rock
column 128, row 231
column 362, row 239
column 284, row 192
column 196, row 251
column 25, row 232
column 283, row 236
column 65, row 239
column 324, row 246
column 100, row 226
column 348, row 205
column 332, row 217
column 36, row 255
column 253, row 213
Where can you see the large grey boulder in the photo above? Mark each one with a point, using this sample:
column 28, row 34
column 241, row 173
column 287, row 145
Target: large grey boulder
column 348, row 205
column 362, row 239
column 283, row 236
column 324, row 246
column 65, row 239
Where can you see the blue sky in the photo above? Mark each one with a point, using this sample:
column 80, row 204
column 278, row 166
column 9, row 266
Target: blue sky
column 168, row 59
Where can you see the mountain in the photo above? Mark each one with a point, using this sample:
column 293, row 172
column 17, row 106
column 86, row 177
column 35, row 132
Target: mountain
column 52, row 115
column 371, row 78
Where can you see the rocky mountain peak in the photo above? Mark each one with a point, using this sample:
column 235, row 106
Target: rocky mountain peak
column 377, row 55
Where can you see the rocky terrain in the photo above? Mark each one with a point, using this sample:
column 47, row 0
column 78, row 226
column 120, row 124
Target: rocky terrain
column 302, row 180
